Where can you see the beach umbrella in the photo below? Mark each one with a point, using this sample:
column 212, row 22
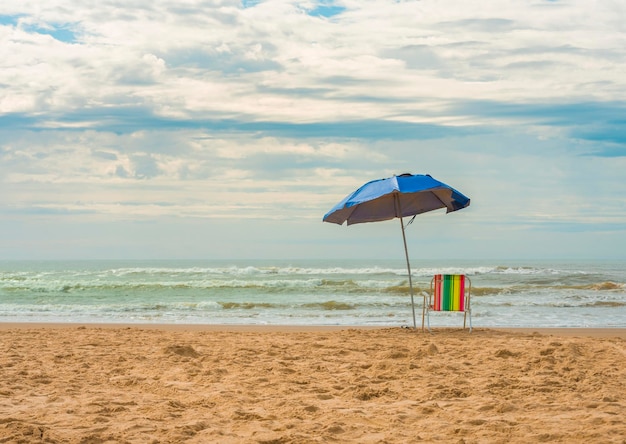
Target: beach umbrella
column 397, row 196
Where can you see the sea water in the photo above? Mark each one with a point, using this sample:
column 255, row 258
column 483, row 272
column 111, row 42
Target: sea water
column 314, row 292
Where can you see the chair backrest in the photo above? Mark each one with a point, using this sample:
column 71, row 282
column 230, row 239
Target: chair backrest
column 448, row 292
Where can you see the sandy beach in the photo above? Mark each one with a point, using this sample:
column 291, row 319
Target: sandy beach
column 67, row 383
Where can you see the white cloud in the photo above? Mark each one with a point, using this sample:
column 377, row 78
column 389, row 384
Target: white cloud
column 274, row 110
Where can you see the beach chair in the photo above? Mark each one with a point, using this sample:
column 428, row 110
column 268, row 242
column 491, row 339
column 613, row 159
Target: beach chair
column 448, row 292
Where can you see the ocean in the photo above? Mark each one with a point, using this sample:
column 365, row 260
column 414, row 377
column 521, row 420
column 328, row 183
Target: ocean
column 308, row 292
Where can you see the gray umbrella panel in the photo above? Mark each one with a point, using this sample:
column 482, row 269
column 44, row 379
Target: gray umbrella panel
column 389, row 206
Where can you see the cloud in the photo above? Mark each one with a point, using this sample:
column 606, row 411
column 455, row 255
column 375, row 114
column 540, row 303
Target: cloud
column 273, row 110
column 586, row 121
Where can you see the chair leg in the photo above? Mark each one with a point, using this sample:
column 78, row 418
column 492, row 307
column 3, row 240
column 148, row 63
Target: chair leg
column 465, row 316
column 426, row 311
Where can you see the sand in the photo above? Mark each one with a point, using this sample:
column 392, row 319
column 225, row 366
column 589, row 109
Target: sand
column 158, row 384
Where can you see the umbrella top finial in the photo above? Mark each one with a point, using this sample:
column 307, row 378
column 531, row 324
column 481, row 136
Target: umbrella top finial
column 409, row 175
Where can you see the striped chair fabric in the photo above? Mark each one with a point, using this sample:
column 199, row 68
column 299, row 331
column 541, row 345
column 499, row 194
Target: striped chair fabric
column 448, row 292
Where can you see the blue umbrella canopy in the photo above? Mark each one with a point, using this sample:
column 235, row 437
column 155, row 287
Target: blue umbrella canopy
column 397, row 196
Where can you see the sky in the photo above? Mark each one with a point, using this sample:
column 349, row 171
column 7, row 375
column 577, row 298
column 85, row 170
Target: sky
column 223, row 129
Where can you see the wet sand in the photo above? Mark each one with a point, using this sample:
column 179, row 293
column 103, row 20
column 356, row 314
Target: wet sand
column 64, row 383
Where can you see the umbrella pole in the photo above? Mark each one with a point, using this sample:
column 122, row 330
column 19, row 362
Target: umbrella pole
column 408, row 267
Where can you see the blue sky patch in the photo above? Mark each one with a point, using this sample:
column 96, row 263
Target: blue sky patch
column 249, row 3
column 9, row 20
column 326, row 10
column 60, row 33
